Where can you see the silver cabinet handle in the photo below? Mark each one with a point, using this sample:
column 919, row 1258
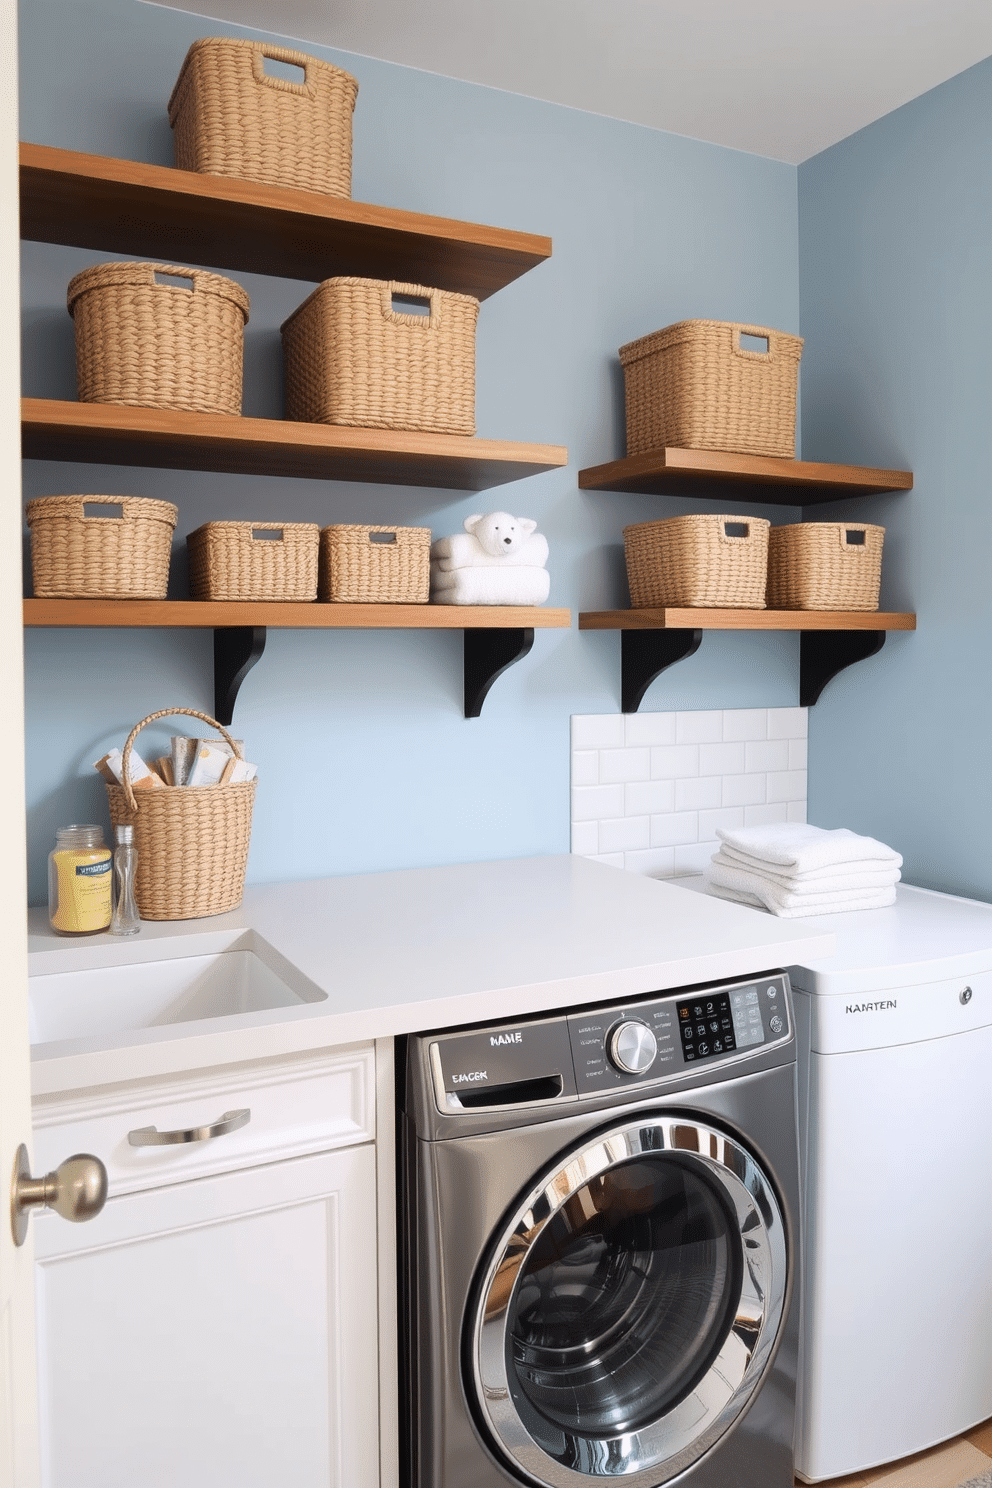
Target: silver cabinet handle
column 150, row 1136
column 77, row 1190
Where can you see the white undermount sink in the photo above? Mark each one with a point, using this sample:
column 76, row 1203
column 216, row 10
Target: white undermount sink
column 104, row 1001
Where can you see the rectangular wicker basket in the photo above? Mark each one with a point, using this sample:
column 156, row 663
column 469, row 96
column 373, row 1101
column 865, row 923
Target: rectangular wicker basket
column 352, row 357
column 825, row 566
column 157, row 336
column 375, row 565
column 694, row 386
column 232, row 118
column 240, row 560
column 192, row 841
column 120, row 553
column 700, row 561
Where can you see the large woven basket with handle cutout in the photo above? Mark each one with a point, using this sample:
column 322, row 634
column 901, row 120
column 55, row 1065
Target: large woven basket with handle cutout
column 192, row 841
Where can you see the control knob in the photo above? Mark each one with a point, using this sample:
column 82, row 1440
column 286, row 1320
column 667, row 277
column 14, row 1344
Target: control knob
column 632, row 1047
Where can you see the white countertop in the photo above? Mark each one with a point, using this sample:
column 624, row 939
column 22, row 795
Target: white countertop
column 426, row 948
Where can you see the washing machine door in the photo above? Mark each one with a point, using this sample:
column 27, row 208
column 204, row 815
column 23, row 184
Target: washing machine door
column 630, row 1306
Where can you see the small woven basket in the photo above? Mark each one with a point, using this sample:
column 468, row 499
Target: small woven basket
column 694, row 386
column 120, row 552
column 701, row 561
column 375, row 565
column 231, row 118
column 352, row 357
column 254, row 560
column 156, row 336
column 192, row 841
column 825, row 566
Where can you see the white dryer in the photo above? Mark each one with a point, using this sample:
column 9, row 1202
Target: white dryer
column 895, row 1059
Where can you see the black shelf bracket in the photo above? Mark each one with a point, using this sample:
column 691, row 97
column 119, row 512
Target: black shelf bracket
column 824, row 653
column 645, row 654
column 236, row 650
column 488, row 653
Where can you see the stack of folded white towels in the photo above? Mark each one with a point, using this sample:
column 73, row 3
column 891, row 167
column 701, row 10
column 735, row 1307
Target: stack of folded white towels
column 796, row 870
column 498, row 560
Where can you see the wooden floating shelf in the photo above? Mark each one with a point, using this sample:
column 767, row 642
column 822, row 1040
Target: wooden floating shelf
column 494, row 636
column 716, row 476
column 194, row 614
column 106, row 433
column 830, row 640
column 711, row 619
column 159, row 213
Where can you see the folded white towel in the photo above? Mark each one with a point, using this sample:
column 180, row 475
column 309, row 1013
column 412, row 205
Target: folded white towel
column 463, row 551
column 490, row 586
column 779, row 899
column 799, row 847
column 869, row 899
column 845, row 876
column 876, row 870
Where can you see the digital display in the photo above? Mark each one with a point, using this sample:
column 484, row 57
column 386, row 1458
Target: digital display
column 706, row 1026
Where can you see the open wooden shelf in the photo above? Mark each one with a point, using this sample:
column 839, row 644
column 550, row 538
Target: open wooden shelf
column 713, row 475
column 159, row 213
column 191, row 614
column 106, row 433
column 829, row 641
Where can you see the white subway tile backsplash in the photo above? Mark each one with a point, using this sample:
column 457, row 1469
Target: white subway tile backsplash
column 625, row 834
column 697, row 793
column 674, row 762
column 650, row 791
column 698, row 728
column 648, row 796
column 623, row 765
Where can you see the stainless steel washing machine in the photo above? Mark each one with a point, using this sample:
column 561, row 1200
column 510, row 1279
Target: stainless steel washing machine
column 599, row 1232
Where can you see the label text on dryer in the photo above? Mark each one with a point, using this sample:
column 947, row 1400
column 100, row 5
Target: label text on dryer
column 870, row 1007
column 506, row 1038
column 472, row 1075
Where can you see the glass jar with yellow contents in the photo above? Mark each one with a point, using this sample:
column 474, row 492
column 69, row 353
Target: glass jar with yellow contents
column 79, row 881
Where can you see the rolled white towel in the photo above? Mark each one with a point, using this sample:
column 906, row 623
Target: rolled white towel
column 799, row 847
column 859, row 875
column 490, row 586
column 872, row 870
column 779, row 899
column 869, row 899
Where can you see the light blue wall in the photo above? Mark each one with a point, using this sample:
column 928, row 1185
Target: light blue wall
column 896, row 293
column 366, row 761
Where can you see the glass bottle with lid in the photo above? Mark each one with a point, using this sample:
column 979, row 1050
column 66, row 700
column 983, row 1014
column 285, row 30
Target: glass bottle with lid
column 125, row 919
column 79, row 881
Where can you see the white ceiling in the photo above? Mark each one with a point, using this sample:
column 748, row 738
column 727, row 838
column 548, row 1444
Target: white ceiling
column 782, row 78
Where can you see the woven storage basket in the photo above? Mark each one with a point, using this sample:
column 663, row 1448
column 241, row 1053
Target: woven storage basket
column 375, row 565
column 123, row 555
column 232, row 560
column 232, row 119
column 351, row 357
column 693, row 386
column 149, row 343
column 708, row 561
column 825, row 566
column 192, row 841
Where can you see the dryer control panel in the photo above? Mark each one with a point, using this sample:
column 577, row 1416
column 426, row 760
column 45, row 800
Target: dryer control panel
column 601, row 1049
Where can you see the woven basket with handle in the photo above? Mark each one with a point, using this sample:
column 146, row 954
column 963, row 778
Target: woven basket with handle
column 708, row 561
column 158, row 336
column 375, row 565
column 232, row 118
column 192, row 841
column 353, row 355
column 695, row 386
column 119, row 549
column 825, row 566
column 254, row 560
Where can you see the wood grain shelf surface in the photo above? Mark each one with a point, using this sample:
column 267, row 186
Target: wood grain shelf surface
column 109, row 434
column 159, row 213
column 716, row 475
column 204, row 614
column 712, row 619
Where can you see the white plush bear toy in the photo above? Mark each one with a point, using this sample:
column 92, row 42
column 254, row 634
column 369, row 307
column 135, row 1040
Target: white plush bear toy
column 498, row 559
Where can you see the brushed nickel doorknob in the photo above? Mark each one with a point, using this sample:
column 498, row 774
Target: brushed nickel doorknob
column 77, row 1190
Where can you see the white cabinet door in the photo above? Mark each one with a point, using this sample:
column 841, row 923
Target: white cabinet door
column 220, row 1333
